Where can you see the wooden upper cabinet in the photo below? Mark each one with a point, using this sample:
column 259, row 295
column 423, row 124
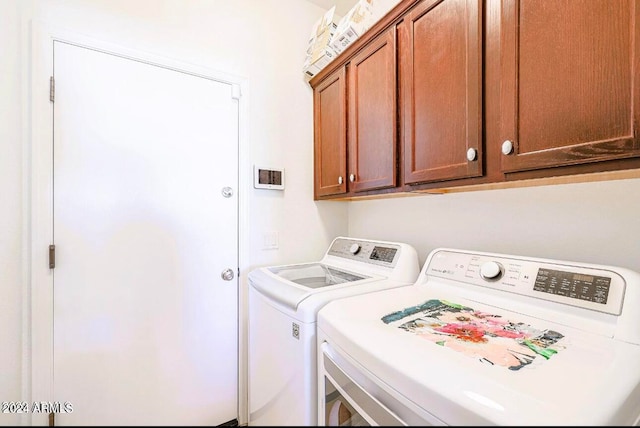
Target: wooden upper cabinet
column 330, row 135
column 440, row 45
column 569, row 90
column 372, row 115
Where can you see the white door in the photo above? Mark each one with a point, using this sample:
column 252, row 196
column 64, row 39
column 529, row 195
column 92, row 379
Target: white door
column 145, row 327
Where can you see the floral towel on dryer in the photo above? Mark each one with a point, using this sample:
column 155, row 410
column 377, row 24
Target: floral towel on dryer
column 488, row 337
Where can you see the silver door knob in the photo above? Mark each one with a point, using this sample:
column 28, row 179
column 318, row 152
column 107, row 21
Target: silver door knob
column 227, row 274
column 227, row 192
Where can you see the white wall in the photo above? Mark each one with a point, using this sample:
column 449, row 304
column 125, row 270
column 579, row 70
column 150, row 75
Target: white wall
column 583, row 222
column 10, row 208
column 378, row 10
column 262, row 41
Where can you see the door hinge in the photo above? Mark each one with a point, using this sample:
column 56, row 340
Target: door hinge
column 235, row 91
column 52, row 419
column 52, row 89
column 52, row 256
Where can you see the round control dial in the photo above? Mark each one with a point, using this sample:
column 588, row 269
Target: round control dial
column 491, row 270
column 354, row 249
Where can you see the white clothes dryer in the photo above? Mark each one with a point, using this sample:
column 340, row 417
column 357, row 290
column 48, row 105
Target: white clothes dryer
column 283, row 303
column 486, row 339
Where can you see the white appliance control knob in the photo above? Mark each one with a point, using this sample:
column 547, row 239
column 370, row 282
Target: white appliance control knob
column 491, row 270
column 354, row 249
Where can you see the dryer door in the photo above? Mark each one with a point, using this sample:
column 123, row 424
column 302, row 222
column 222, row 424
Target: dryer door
column 348, row 398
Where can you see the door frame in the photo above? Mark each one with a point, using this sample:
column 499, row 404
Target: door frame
column 37, row 347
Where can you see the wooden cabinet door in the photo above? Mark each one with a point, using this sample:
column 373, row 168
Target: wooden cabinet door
column 441, row 89
column 570, row 88
column 372, row 115
column 330, row 135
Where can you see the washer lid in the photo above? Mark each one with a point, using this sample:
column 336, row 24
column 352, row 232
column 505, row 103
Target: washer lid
column 291, row 284
column 315, row 275
column 471, row 362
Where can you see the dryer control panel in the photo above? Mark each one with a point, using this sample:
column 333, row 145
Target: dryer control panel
column 579, row 285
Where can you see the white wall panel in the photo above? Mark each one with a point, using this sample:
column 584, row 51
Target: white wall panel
column 584, row 222
column 10, row 209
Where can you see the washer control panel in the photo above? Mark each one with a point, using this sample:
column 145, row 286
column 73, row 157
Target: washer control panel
column 587, row 287
column 377, row 253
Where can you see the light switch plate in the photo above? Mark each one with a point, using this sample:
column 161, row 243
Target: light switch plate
column 270, row 240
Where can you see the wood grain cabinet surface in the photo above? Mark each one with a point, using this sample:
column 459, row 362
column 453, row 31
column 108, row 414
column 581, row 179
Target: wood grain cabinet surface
column 569, row 82
column 330, row 135
column 451, row 95
column 441, row 82
column 372, row 115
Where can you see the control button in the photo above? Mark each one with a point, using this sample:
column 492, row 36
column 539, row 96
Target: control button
column 490, row 270
column 354, row 249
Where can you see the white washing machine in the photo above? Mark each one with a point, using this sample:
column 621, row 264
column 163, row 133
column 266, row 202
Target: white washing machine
column 283, row 303
column 486, row 339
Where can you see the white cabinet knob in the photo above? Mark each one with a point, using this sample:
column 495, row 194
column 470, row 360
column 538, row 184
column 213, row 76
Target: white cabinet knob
column 472, row 154
column 340, row 180
column 352, row 178
column 507, row 147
